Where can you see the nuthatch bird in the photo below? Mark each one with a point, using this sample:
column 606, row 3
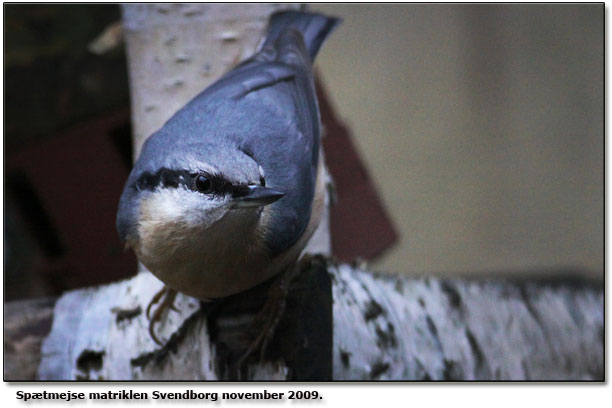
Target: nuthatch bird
column 228, row 192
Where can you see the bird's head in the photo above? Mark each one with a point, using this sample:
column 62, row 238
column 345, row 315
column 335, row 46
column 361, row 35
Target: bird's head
column 191, row 193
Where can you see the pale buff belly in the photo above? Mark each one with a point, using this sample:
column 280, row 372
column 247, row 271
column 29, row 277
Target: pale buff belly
column 217, row 262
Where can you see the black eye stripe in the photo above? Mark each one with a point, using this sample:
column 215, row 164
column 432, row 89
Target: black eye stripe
column 169, row 178
column 240, row 191
column 163, row 177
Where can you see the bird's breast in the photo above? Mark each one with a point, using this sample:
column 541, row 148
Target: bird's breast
column 221, row 260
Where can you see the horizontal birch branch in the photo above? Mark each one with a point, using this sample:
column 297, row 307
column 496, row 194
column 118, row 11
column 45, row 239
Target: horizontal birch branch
column 384, row 328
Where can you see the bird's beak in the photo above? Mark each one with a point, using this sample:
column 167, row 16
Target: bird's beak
column 257, row 196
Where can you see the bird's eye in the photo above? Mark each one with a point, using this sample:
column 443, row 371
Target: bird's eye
column 203, row 184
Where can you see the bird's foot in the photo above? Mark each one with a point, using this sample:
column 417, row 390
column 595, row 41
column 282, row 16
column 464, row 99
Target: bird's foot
column 266, row 321
column 165, row 297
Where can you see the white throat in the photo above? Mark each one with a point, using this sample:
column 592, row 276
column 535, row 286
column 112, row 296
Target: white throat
column 202, row 252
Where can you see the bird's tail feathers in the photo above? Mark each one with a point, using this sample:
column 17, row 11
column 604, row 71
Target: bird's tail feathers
column 314, row 27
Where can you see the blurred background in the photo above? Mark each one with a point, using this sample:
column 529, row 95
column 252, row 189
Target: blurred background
column 482, row 127
column 478, row 129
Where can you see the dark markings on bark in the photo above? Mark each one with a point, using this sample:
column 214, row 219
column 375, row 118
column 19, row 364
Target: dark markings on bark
column 534, row 314
column 434, row 331
column 386, row 339
column 345, row 358
column 378, row 369
column 532, row 311
column 88, row 361
column 422, row 303
column 373, row 310
column 481, row 371
column 391, row 332
column 454, row 298
column 572, row 308
column 431, row 326
column 125, row 314
column 451, row 371
column 421, row 367
column 366, row 290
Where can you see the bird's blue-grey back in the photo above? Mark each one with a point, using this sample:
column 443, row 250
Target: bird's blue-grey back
column 266, row 109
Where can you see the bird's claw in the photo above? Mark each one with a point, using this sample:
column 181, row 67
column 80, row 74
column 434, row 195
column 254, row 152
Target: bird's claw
column 267, row 319
column 166, row 303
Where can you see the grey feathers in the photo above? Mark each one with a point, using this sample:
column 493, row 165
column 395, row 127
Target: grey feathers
column 268, row 76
